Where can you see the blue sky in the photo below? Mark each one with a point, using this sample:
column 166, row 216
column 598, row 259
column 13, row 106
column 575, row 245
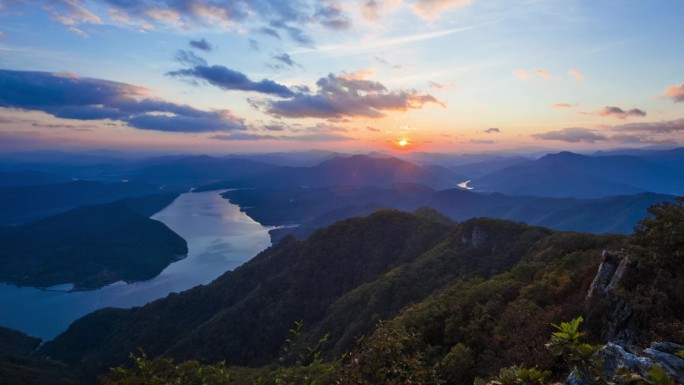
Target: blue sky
column 446, row 75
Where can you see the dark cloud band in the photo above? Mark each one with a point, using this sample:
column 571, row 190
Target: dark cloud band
column 72, row 97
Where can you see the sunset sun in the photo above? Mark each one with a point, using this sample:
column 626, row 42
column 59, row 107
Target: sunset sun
column 403, row 143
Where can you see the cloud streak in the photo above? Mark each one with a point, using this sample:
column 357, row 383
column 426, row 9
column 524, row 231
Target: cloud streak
column 571, row 135
column 72, row 97
column 323, row 137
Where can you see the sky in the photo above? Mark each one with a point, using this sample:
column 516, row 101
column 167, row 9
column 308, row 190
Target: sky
column 454, row 76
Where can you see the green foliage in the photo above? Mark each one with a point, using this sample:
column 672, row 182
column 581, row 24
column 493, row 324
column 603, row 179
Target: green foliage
column 517, row 375
column 659, row 376
column 661, row 235
column 163, row 371
column 458, row 366
column 389, row 356
column 565, row 342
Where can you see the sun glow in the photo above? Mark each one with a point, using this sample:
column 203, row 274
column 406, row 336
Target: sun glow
column 403, row 143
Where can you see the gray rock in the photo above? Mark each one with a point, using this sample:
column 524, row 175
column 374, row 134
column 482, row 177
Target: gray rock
column 613, row 356
column 667, row 359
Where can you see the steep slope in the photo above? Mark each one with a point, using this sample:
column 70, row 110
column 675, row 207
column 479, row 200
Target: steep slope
column 342, row 280
column 19, row 365
column 244, row 316
column 91, row 246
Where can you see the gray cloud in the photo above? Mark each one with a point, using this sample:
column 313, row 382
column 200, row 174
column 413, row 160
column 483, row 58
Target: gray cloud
column 202, row 45
column 617, row 112
column 228, row 79
column 370, row 10
column 72, row 97
column 285, row 59
column 269, row 32
column 664, row 127
column 640, row 139
column 481, row 141
column 347, row 96
column 493, row 130
column 329, row 14
column 572, row 135
column 304, row 138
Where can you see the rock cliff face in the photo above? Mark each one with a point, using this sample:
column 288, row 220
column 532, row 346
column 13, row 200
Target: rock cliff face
column 608, row 315
column 612, row 319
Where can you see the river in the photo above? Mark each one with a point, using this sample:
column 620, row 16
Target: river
column 219, row 236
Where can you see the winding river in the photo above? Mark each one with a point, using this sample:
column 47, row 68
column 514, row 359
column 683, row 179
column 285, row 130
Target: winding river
column 219, row 236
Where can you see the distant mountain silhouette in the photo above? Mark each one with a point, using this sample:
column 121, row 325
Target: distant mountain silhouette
column 356, row 170
column 312, row 208
column 25, row 203
column 29, row 178
column 567, row 174
column 197, row 170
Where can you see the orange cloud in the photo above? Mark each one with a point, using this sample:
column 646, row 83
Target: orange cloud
column 522, row 74
column 543, row 73
column 579, row 76
column 675, row 92
column 562, row 105
column 433, row 9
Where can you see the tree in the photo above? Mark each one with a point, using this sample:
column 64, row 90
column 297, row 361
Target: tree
column 660, row 236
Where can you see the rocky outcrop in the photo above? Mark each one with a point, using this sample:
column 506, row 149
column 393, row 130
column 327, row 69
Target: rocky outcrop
column 608, row 315
column 613, row 357
column 610, row 272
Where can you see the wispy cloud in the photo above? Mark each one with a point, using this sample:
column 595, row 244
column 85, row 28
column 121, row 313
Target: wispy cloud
column 562, row 105
column 579, row 76
column 664, row 127
column 433, row 9
column 383, row 44
column 303, row 138
column 571, row 135
column 543, row 73
column 289, row 17
column 522, row 74
column 493, row 130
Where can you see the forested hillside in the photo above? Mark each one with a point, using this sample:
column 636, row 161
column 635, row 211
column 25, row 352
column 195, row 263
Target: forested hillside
column 438, row 302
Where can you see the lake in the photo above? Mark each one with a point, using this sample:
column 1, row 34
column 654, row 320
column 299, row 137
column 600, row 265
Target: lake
column 219, row 236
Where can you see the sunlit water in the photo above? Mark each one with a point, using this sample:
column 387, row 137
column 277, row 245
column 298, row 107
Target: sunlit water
column 219, row 236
